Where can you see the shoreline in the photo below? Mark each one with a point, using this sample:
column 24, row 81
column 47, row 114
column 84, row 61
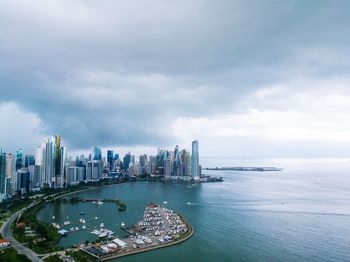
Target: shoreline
column 86, row 189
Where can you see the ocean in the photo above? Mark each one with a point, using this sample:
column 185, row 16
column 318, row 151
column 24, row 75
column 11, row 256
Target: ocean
column 301, row 213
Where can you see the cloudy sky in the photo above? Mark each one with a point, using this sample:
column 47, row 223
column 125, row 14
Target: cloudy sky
column 246, row 78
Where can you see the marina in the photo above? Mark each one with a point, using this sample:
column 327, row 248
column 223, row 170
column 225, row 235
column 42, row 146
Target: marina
column 158, row 227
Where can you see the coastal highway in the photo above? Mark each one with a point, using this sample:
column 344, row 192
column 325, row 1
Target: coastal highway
column 5, row 231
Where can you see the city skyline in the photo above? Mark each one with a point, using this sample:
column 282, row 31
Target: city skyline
column 53, row 167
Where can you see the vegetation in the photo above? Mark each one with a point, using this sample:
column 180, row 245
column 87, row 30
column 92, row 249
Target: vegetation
column 54, row 258
column 11, row 255
column 42, row 230
column 81, row 256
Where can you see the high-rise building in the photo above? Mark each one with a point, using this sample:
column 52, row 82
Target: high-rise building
column 167, row 168
column 11, row 172
column 94, row 170
column 127, row 161
column 51, row 157
column 19, row 159
column 34, row 171
column 23, row 181
column 72, row 175
column 195, row 160
column 29, row 160
column 2, row 172
column 97, row 154
column 110, row 159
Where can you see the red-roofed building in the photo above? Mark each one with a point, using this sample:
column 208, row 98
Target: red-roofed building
column 4, row 243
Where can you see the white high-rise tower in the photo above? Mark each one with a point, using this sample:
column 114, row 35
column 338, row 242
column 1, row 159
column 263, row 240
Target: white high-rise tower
column 195, row 160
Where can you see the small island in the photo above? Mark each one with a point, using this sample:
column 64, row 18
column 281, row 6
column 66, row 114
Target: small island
column 159, row 227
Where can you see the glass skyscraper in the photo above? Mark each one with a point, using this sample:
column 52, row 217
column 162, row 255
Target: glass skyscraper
column 195, row 160
column 2, row 172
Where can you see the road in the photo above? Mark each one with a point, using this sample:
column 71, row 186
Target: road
column 5, row 231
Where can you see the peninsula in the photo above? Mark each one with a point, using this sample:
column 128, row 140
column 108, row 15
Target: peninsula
column 159, row 227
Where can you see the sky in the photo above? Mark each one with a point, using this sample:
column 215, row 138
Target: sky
column 246, row 78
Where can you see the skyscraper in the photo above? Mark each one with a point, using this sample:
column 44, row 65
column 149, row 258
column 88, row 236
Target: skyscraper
column 195, row 160
column 110, row 159
column 19, row 159
column 11, row 172
column 2, row 172
column 97, row 154
column 126, row 161
column 51, row 158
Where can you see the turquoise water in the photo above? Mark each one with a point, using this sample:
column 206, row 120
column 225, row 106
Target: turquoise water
column 301, row 213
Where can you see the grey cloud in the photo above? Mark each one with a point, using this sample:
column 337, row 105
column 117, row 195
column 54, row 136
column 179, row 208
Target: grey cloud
column 119, row 72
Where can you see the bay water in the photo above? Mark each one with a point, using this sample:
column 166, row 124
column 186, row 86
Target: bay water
column 301, row 213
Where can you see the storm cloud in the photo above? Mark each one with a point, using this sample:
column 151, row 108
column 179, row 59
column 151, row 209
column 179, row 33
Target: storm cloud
column 128, row 73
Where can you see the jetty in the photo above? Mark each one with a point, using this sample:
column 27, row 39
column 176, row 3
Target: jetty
column 122, row 205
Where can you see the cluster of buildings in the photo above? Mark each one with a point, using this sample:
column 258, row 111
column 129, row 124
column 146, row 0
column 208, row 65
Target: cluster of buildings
column 52, row 168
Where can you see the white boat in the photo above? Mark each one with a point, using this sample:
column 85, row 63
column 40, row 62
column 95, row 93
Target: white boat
column 72, row 229
column 62, row 232
column 56, row 225
column 100, row 202
column 95, row 232
column 94, row 202
column 188, row 203
column 122, row 224
column 165, row 202
column 53, row 217
column 83, row 227
column 96, row 218
column 66, row 223
column 76, row 228
column 82, row 220
column 102, row 225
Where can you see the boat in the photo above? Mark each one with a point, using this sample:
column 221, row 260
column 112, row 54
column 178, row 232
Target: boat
column 83, row 227
column 100, row 202
column 76, row 228
column 66, row 223
column 122, row 224
column 56, row 225
column 62, row 232
column 82, row 213
column 95, row 232
column 188, row 203
column 102, row 225
column 94, row 202
column 72, row 229
column 53, row 217
column 96, row 218
column 82, row 220
column 165, row 202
